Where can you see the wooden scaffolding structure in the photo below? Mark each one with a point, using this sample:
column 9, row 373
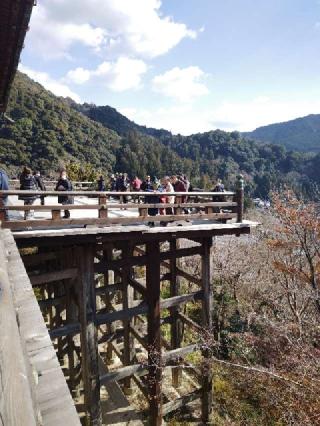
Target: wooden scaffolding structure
column 101, row 296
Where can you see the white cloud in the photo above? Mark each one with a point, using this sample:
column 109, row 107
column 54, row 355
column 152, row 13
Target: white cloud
column 122, row 26
column 182, row 119
column 120, row 75
column 182, row 84
column 79, row 75
column 53, row 38
column 56, row 87
column 242, row 116
column 261, row 111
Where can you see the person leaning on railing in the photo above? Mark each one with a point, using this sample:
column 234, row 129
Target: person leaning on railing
column 64, row 184
column 4, row 186
column 28, row 183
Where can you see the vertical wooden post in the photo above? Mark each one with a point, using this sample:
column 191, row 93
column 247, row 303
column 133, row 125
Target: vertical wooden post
column 71, row 316
column 240, row 198
column 176, row 325
column 178, row 200
column 89, row 341
column 207, row 306
column 108, row 279
column 56, row 214
column 3, row 217
column 154, row 332
column 128, row 350
column 103, row 212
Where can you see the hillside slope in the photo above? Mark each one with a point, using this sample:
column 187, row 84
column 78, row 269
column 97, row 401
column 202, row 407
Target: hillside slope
column 48, row 132
column 301, row 134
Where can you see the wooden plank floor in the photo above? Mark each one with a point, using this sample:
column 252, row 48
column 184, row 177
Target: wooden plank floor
column 52, row 393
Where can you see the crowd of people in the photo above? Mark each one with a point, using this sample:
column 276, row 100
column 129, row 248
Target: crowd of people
column 159, row 189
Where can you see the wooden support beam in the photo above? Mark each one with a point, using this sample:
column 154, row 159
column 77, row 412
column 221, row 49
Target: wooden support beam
column 180, row 300
column 50, row 277
column 192, row 324
column 176, row 330
column 207, row 306
column 181, row 402
column 140, row 309
column 179, row 353
column 154, row 332
column 127, row 297
column 140, row 288
column 141, row 260
column 66, row 330
column 108, row 279
column 108, row 289
column 107, row 338
column 49, row 303
column 89, row 340
column 179, row 271
column 38, row 258
column 122, row 373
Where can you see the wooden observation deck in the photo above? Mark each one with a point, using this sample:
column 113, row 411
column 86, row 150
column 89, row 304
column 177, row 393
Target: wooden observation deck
column 112, row 288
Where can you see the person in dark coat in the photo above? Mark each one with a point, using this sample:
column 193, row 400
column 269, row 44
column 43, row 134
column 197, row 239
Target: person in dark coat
column 101, row 184
column 153, row 198
column 4, row 186
column 28, row 183
column 40, row 184
column 219, row 187
column 64, row 184
column 146, row 184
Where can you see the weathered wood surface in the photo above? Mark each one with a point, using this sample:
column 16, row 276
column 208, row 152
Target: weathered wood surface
column 16, row 384
column 120, row 233
column 154, row 332
column 89, row 334
column 207, row 307
column 52, row 396
column 50, row 277
column 47, row 223
column 111, row 206
column 116, row 193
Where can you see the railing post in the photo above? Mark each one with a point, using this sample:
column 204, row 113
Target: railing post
column 103, row 212
column 3, row 215
column 240, row 198
column 56, row 214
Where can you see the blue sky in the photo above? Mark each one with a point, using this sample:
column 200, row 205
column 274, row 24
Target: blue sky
column 184, row 65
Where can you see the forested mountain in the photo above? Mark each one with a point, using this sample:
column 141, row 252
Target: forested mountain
column 112, row 119
column 302, row 134
column 49, row 131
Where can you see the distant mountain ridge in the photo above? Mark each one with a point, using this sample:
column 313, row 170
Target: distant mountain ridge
column 301, row 134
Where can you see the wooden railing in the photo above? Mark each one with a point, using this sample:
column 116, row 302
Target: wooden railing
column 51, row 184
column 28, row 363
column 187, row 206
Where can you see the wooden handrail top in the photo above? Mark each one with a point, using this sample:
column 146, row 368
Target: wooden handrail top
column 115, row 194
column 55, row 181
column 115, row 206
